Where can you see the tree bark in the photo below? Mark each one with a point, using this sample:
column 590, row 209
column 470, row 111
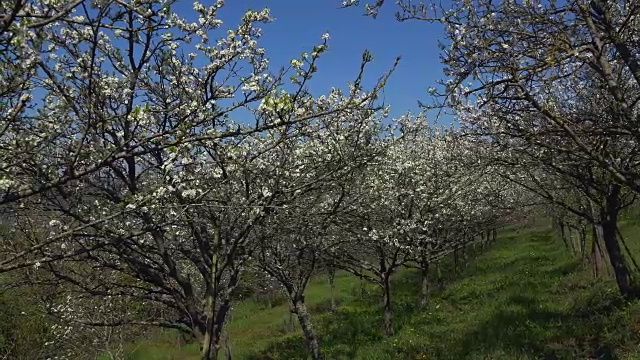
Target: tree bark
column 563, row 236
column 388, row 310
column 332, row 287
column 227, row 347
column 363, row 287
column 616, row 258
column 290, row 326
column 424, row 291
column 629, row 254
column 300, row 309
column 583, row 241
column 211, row 341
column 596, row 256
column 216, row 316
column 209, row 350
column 439, row 277
column 574, row 241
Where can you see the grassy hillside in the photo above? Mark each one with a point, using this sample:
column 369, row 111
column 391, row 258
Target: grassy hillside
column 523, row 299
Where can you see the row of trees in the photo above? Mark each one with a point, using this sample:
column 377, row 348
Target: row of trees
column 421, row 197
column 351, row 196
column 132, row 197
column 554, row 87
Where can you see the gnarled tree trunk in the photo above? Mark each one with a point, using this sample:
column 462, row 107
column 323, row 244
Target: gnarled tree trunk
column 386, row 300
column 609, row 218
column 332, row 286
column 596, row 250
column 563, row 236
column 300, row 309
column 424, row 290
column 216, row 315
column 212, row 335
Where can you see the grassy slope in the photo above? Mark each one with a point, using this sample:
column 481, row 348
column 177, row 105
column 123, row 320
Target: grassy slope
column 523, row 299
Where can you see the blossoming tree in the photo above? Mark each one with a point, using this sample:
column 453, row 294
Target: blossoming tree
column 558, row 79
column 149, row 190
column 103, row 84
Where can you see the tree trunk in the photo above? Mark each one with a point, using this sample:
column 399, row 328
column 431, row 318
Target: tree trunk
column 573, row 240
column 424, row 272
column 363, row 285
column 583, row 241
column 227, row 347
column 215, row 318
column 291, row 325
column 209, row 350
column 439, row 277
column 629, row 254
column 563, row 236
column 300, row 309
column 211, row 343
column 332, row 287
column 596, row 256
column 227, row 343
column 616, row 258
column 388, row 311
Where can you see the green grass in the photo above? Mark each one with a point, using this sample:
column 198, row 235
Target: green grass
column 525, row 298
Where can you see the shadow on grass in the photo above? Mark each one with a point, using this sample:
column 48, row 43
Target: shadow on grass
column 341, row 332
column 525, row 320
column 518, row 325
column 524, row 326
column 511, row 301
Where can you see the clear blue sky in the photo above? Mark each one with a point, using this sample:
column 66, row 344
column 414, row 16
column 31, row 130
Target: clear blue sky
column 300, row 24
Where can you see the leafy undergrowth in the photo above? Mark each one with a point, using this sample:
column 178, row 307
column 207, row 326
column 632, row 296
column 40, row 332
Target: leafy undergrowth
column 526, row 298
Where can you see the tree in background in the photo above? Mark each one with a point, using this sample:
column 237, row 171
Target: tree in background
column 558, row 81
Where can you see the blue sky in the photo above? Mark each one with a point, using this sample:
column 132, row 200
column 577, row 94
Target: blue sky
column 300, row 24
